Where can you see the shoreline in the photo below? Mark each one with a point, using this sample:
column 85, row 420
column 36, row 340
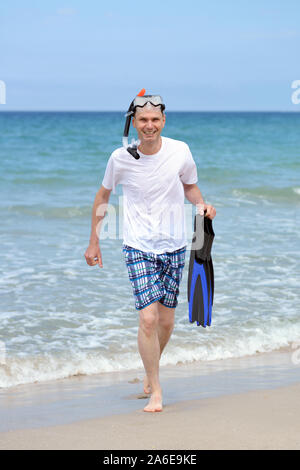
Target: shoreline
column 264, row 419
column 33, row 416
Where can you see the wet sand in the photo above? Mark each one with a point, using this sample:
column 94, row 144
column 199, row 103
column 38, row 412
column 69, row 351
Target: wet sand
column 267, row 419
column 251, row 403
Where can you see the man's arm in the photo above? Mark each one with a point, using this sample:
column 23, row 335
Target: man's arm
column 93, row 252
column 193, row 194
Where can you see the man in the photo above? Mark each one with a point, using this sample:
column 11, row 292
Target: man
column 154, row 183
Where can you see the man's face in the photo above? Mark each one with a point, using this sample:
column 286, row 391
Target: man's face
column 149, row 124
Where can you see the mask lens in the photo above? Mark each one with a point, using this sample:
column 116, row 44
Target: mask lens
column 156, row 100
column 141, row 101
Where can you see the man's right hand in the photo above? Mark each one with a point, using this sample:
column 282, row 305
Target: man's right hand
column 93, row 255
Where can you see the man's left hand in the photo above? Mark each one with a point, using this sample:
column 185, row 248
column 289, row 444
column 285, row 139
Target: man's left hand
column 210, row 210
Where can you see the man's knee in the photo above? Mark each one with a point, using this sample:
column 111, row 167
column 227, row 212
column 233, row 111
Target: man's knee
column 148, row 320
column 167, row 323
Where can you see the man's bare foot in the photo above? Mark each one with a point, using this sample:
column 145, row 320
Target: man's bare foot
column 155, row 403
column 147, row 388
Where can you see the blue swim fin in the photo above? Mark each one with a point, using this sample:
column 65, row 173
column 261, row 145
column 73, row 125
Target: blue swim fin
column 201, row 274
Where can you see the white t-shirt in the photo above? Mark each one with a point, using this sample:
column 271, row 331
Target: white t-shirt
column 153, row 194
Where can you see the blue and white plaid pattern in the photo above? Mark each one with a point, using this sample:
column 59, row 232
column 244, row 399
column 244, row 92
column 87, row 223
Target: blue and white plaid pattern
column 154, row 277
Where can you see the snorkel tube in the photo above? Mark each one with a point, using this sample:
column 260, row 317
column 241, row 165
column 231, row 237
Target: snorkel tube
column 132, row 148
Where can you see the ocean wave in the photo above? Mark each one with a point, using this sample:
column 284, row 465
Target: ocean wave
column 210, row 346
column 38, row 210
column 297, row 191
column 268, row 195
column 45, row 181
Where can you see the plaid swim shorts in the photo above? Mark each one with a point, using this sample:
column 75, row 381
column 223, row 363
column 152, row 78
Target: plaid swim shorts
column 154, row 277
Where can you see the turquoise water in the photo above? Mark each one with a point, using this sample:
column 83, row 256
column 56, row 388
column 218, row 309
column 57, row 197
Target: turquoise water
column 60, row 317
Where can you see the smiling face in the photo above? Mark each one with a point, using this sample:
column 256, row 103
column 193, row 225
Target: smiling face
column 149, row 122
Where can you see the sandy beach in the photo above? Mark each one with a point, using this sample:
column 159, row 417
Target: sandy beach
column 267, row 419
column 250, row 403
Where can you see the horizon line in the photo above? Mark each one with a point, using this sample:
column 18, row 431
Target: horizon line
column 170, row 111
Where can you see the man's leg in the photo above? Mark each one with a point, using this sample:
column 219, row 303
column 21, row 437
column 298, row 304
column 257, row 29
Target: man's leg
column 149, row 348
column 166, row 317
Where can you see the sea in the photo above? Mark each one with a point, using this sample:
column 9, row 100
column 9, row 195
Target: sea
column 60, row 317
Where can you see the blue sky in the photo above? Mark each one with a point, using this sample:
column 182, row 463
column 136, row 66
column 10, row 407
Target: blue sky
column 199, row 55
